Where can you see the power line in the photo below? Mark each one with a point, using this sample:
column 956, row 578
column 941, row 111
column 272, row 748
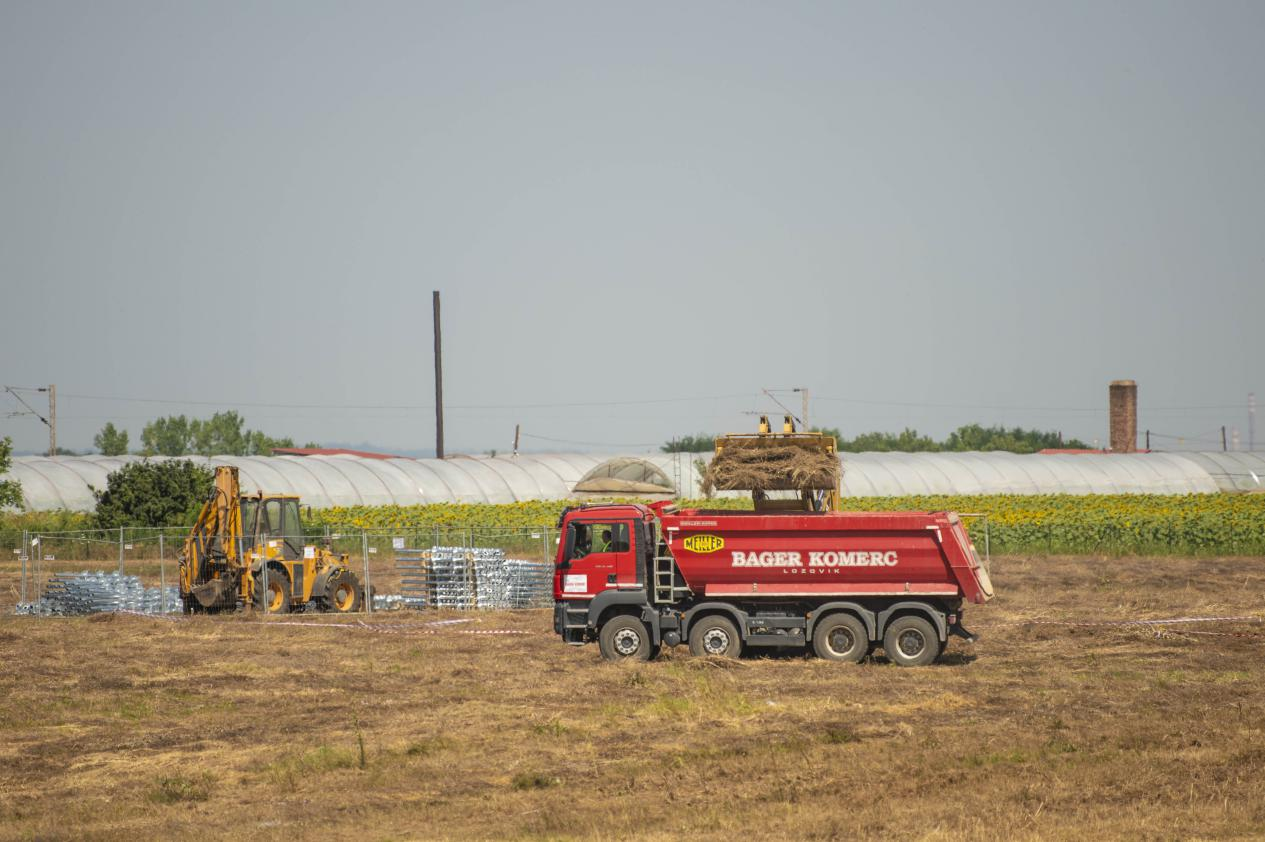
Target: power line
column 589, row 443
column 405, row 407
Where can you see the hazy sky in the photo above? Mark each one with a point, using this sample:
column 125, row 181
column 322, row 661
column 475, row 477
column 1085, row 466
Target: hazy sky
column 927, row 214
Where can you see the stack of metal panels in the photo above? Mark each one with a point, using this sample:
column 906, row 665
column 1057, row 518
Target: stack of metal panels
column 91, row 593
column 529, row 583
column 469, row 577
column 415, row 584
column 452, row 577
column 491, row 579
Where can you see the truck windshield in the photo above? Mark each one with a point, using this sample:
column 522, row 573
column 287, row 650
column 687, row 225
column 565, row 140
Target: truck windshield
column 599, row 538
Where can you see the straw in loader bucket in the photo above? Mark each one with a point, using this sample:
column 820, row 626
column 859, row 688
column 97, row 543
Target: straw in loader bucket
column 788, row 461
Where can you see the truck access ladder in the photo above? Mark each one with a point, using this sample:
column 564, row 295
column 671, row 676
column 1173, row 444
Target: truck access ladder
column 669, row 586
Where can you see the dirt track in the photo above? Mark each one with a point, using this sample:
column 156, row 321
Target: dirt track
column 134, row 727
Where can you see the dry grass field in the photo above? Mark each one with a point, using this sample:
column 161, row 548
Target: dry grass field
column 128, row 727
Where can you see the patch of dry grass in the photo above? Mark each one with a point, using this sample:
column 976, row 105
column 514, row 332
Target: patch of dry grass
column 223, row 727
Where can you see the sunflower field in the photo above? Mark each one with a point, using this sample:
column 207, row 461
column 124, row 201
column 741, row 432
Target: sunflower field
column 1198, row 524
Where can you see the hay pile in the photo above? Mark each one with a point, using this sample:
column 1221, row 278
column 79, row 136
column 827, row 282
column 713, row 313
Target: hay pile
column 784, row 468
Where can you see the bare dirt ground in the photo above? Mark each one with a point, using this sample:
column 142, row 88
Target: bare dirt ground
column 130, row 727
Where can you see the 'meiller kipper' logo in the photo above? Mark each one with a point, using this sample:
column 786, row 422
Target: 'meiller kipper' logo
column 704, row 543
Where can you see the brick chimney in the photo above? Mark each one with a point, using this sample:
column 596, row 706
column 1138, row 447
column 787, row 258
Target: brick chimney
column 1123, row 400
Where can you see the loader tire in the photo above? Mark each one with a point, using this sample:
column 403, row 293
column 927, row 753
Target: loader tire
column 275, row 599
column 624, row 638
column 911, row 641
column 715, row 635
column 343, row 594
column 841, row 637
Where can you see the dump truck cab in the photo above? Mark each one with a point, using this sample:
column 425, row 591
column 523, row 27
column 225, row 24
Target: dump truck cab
column 602, row 547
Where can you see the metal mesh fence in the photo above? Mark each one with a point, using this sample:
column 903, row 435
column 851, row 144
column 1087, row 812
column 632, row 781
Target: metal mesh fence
column 408, row 568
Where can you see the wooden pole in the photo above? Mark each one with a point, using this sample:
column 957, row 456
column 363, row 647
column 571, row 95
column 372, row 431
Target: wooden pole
column 439, row 384
column 52, row 420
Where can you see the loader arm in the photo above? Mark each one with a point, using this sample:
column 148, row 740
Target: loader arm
column 212, row 550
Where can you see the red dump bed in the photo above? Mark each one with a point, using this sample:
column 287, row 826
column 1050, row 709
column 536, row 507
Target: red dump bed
column 731, row 554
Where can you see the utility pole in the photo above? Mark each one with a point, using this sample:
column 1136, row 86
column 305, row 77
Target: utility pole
column 803, row 418
column 52, row 420
column 1223, row 447
column 1251, row 420
column 517, row 429
column 439, row 383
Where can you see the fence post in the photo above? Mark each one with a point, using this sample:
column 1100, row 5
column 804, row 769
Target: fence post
column 364, row 547
column 162, row 572
column 120, row 551
column 39, row 564
column 26, row 544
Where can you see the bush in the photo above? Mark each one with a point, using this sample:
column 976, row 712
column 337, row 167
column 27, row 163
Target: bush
column 10, row 489
column 167, row 493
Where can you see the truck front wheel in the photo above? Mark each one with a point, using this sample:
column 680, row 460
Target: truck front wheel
column 841, row 637
column 911, row 641
column 715, row 635
column 624, row 638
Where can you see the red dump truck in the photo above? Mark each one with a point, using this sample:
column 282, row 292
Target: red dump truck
column 841, row 584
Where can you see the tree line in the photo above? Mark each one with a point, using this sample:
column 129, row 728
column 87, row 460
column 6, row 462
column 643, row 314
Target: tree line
column 223, row 434
column 909, row 440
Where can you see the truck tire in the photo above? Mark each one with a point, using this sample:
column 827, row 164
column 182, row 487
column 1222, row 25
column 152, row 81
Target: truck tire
column 715, row 635
column 841, row 637
column 343, row 594
column 275, row 599
column 624, row 638
column 911, row 641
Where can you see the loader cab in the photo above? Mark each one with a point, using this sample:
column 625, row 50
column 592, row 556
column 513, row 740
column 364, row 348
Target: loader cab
column 273, row 523
column 598, row 550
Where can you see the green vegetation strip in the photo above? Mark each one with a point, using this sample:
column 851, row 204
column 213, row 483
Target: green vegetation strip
column 1200, row 524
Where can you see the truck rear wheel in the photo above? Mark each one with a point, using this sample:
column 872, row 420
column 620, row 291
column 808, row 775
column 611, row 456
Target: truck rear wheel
column 841, row 637
column 715, row 635
column 624, row 638
column 911, row 641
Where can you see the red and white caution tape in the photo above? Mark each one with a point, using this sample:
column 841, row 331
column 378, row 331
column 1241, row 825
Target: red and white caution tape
column 1173, row 621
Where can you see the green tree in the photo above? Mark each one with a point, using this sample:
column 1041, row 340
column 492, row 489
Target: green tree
column 166, row 493
column 110, row 441
column 10, row 489
column 169, row 436
column 1014, row 440
column 221, row 434
column 700, row 443
column 258, row 444
column 906, row 441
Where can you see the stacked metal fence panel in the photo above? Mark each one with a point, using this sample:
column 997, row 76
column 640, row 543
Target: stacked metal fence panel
column 470, row 577
column 529, row 583
column 415, row 587
column 452, row 577
column 91, row 593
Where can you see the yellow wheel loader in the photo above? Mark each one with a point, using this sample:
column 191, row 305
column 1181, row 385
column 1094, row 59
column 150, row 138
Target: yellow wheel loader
column 249, row 550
